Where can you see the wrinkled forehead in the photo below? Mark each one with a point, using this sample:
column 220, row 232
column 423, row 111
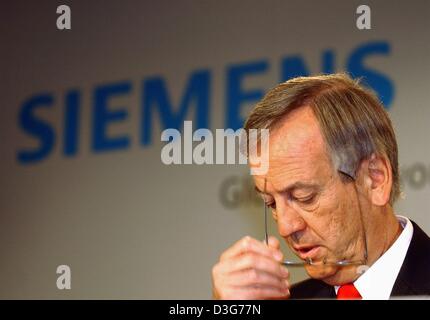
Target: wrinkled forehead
column 297, row 150
column 297, row 134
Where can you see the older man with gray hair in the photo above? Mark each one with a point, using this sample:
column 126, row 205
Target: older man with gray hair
column 332, row 181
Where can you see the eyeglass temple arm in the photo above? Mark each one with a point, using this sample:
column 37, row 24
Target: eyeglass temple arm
column 266, row 235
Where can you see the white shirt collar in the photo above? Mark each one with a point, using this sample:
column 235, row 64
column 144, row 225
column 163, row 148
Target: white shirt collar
column 378, row 281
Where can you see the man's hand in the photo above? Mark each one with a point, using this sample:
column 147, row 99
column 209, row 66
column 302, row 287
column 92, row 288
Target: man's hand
column 251, row 270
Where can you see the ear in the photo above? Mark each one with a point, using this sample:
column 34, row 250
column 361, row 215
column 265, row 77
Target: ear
column 378, row 179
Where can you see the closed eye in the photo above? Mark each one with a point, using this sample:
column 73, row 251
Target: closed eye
column 305, row 200
column 271, row 204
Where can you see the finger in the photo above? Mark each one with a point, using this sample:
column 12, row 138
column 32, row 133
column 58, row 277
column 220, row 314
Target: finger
column 255, row 261
column 248, row 244
column 274, row 243
column 260, row 293
column 253, row 277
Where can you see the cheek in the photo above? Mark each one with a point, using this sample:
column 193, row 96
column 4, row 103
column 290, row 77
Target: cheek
column 344, row 223
column 336, row 223
column 335, row 211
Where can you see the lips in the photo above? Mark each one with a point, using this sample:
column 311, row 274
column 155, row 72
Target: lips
column 307, row 252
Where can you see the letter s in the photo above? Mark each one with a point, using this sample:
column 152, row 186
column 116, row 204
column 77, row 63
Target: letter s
column 33, row 126
column 377, row 81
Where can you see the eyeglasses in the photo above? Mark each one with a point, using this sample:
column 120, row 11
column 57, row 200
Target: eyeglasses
column 324, row 262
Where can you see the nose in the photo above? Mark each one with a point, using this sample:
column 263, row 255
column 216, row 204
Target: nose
column 290, row 222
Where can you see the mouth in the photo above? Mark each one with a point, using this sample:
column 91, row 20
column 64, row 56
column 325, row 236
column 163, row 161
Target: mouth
column 307, row 252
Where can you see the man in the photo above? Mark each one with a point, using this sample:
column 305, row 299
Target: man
column 332, row 181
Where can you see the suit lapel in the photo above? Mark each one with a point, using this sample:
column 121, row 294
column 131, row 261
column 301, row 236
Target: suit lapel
column 414, row 275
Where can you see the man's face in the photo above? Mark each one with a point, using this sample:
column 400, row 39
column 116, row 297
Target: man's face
column 317, row 214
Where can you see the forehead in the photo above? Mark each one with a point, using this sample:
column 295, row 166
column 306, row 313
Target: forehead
column 296, row 151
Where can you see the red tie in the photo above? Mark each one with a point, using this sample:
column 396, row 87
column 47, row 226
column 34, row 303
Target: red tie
column 348, row 291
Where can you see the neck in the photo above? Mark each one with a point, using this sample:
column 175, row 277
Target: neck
column 381, row 232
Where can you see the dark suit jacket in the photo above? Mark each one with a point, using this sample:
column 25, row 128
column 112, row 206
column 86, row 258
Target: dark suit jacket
column 413, row 278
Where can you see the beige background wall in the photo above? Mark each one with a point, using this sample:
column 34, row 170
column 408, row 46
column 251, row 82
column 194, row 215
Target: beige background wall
column 127, row 225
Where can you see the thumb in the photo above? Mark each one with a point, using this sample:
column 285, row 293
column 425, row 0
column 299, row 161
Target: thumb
column 274, row 243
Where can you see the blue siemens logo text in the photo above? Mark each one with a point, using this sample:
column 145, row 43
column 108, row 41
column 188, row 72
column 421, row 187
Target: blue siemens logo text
column 156, row 102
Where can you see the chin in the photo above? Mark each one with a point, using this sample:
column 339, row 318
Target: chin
column 333, row 275
column 321, row 272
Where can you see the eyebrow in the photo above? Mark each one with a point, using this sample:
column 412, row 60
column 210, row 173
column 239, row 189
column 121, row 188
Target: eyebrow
column 294, row 186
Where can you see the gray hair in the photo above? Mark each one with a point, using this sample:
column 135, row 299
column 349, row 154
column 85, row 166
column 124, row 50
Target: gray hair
column 353, row 122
